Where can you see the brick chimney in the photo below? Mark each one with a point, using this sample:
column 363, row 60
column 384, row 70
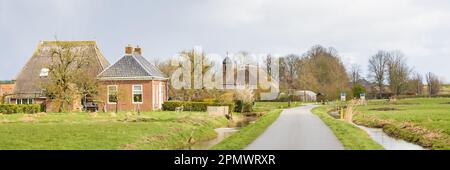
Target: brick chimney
column 138, row 50
column 128, row 49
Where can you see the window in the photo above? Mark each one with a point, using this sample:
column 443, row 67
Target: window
column 24, row 101
column 112, row 94
column 137, row 94
column 44, row 72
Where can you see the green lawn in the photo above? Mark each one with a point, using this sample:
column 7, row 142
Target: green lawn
column 152, row 130
column 352, row 137
column 425, row 121
column 249, row 133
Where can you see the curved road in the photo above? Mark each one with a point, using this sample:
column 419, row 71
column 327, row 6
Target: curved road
column 297, row 129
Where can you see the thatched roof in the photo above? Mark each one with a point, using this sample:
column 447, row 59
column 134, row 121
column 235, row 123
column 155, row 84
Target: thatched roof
column 29, row 82
column 132, row 67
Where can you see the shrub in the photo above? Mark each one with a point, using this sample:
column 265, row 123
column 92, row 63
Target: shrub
column 194, row 106
column 12, row 108
column 245, row 99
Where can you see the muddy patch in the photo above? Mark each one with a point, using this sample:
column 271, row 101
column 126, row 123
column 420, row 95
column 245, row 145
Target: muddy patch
column 385, row 109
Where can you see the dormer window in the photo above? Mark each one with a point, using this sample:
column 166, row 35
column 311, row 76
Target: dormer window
column 44, row 72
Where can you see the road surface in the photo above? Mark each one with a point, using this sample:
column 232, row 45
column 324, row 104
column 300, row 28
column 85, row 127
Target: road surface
column 297, row 129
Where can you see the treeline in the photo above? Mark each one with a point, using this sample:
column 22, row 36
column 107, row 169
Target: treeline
column 389, row 75
column 320, row 70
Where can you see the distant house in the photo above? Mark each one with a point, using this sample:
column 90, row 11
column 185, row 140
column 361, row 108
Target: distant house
column 306, row 95
column 132, row 83
column 28, row 88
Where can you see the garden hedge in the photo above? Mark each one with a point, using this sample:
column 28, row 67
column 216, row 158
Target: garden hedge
column 13, row 108
column 194, row 106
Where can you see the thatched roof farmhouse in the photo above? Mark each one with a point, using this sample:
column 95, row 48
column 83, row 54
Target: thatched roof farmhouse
column 28, row 88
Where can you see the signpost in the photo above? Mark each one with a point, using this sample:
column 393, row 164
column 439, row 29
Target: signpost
column 362, row 96
column 343, row 97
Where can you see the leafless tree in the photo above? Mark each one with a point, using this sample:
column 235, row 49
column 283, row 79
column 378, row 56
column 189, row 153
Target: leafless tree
column 416, row 83
column 322, row 71
column 268, row 61
column 69, row 75
column 398, row 72
column 355, row 73
column 377, row 69
column 289, row 66
column 434, row 83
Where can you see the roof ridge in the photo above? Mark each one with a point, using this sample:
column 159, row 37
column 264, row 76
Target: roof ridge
column 142, row 64
column 111, row 65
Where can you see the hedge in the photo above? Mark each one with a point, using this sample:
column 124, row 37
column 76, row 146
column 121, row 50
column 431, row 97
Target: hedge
column 13, row 108
column 194, row 106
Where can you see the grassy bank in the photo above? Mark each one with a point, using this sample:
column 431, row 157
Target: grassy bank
column 152, row 130
column 424, row 121
column 352, row 137
column 248, row 134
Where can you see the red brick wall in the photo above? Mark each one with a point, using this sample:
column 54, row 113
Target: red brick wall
column 6, row 88
column 125, row 95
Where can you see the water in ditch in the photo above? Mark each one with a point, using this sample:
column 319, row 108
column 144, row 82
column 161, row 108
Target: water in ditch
column 389, row 143
column 222, row 133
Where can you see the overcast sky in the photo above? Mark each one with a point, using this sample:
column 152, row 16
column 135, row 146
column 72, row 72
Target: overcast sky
column 356, row 28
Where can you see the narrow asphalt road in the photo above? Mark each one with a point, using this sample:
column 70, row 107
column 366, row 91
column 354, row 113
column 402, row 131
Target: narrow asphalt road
column 297, row 129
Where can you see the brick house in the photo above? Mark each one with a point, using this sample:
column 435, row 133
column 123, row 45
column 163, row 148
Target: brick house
column 132, row 83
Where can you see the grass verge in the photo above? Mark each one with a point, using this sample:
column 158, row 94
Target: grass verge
column 352, row 137
column 104, row 131
column 248, row 134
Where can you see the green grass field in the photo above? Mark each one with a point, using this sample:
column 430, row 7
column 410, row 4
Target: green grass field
column 72, row 131
column 424, row 121
column 352, row 137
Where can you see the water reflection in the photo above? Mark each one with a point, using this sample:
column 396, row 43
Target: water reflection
column 389, row 143
column 222, row 133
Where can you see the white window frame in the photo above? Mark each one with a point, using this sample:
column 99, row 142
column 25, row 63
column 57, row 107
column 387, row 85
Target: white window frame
column 142, row 94
column 24, row 101
column 160, row 95
column 153, row 95
column 107, row 93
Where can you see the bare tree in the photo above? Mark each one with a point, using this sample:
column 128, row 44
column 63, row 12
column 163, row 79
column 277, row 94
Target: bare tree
column 268, row 66
column 355, row 73
column 322, row 71
column 69, row 75
column 377, row 70
column 416, row 84
column 289, row 66
column 398, row 72
column 434, row 84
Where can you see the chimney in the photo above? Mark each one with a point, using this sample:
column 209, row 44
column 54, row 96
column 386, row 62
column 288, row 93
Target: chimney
column 138, row 50
column 128, row 49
